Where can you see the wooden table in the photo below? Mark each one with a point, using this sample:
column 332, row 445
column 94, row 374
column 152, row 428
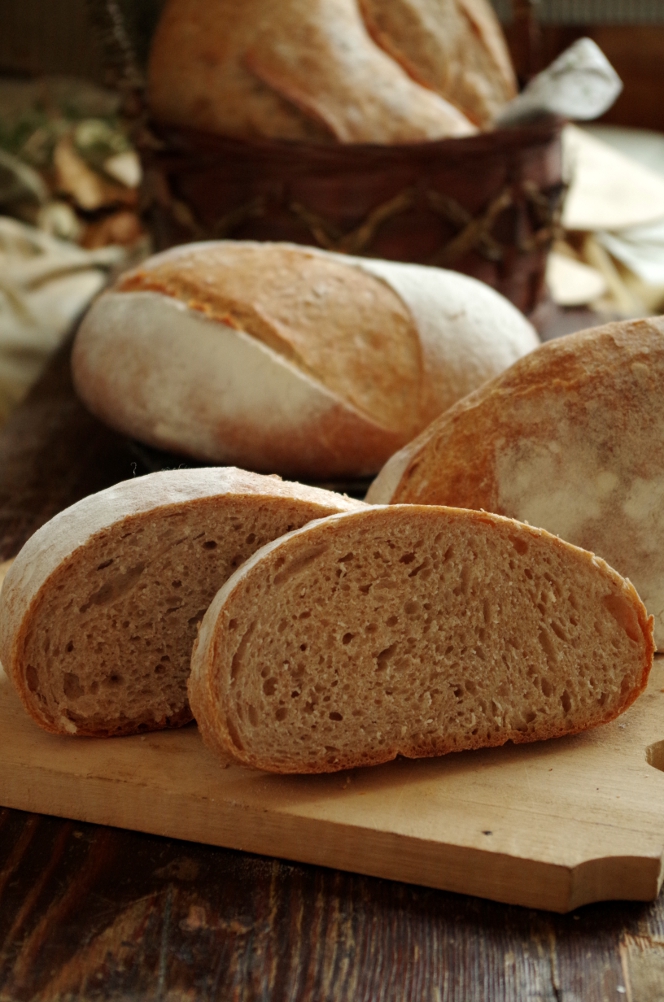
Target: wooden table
column 88, row 912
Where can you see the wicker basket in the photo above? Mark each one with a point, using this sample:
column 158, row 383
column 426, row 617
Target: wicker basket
column 487, row 205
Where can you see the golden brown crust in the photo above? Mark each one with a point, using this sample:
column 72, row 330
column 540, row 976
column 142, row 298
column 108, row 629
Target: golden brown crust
column 455, row 47
column 303, row 69
column 345, row 328
column 568, row 438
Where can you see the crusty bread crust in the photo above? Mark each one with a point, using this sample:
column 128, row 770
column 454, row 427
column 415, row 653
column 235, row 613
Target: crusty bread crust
column 181, row 377
column 568, row 438
column 55, row 556
column 296, row 69
column 456, row 47
column 540, row 637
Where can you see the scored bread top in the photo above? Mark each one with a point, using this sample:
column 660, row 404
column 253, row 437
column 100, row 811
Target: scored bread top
column 115, row 584
column 304, row 69
column 413, row 630
column 283, row 358
column 569, row 439
column 456, row 47
column 345, row 328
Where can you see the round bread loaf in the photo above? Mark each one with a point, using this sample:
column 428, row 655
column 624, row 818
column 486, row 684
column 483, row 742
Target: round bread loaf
column 277, row 357
column 100, row 608
column 570, row 439
column 293, row 69
column 416, row 631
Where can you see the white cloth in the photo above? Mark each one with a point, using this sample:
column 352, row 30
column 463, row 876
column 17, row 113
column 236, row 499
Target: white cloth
column 45, row 285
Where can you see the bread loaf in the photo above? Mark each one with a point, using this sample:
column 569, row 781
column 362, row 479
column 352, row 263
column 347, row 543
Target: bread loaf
column 293, row 69
column 100, row 608
column 456, row 47
column 415, row 631
column 570, row 439
column 282, row 358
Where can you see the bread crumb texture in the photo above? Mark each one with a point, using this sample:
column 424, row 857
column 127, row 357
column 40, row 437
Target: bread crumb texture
column 413, row 631
column 105, row 644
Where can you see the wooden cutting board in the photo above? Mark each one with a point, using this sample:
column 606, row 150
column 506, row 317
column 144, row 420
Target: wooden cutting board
column 550, row 825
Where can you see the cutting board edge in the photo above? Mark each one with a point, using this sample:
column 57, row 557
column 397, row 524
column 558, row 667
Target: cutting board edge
column 501, row 877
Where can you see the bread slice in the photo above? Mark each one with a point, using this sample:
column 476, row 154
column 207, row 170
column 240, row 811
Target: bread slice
column 456, row 47
column 99, row 610
column 283, row 358
column 413, row 630
column 292, row 69
column 570, row 439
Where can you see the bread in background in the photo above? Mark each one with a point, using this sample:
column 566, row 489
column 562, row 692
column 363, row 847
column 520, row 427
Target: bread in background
column 456, row 47
column 288, row 69
column 287, row 359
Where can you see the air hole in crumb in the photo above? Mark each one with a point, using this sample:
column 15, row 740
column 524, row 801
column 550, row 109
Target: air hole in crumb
column 294, row 694
column 529, row 574
column 160, row 669
column 371, row 628
column 113, row 680
column 346, row 559
column 566, row 702
column 392, row 621
column 270, row 686
column 365, row 589
column 547, row 688
column 407, row 558
column 385, row 656
column 335, row 716
column 176, row 584
column 303, row 647
column 347, row 637
column 106, row 563
column 520, row 545
column 70, row 647
column 72, row 686
column 210, row 545
column 233, row 624
column 253, row 716
column 410, row 608
column 281, row 713
column 251, row 537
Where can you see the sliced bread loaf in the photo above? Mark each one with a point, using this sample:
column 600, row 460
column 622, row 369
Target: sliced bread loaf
column 99, row 610
column 570, row 439
column 413, row 630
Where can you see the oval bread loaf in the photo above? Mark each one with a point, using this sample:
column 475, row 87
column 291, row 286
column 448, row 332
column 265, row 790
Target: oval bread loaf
column 99, row 610
column 282, row 358
column 570, row 439
column 293, row 69
column 416, row 631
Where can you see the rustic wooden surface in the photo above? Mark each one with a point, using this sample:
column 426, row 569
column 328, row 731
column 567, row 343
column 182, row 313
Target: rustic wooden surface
column 88, row 912
column 551, row 825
